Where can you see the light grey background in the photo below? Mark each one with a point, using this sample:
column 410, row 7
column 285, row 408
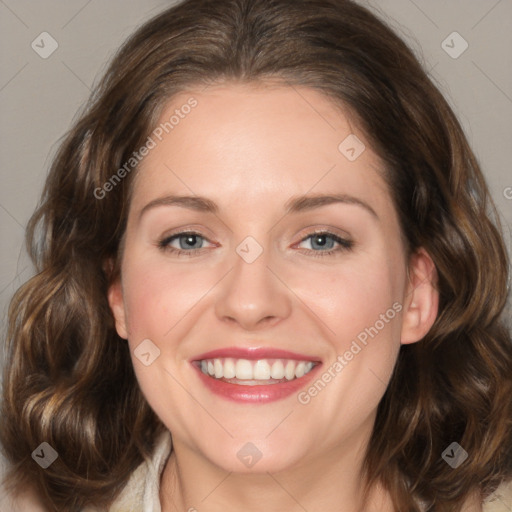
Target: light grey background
column 39, row 97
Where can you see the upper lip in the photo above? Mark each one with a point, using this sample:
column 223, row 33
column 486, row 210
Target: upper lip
column 254, row 353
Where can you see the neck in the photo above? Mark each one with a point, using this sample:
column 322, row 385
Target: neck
column 331, row 480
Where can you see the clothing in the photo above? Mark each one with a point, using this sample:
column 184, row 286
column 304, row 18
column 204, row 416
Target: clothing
column 141, row 494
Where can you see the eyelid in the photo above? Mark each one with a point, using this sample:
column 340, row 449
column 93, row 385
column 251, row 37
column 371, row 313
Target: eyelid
column 167, row 238
column 345, row 243
column 325, row 230
column 192, row 229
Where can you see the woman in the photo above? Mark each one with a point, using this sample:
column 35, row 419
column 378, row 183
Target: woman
column 268, row 240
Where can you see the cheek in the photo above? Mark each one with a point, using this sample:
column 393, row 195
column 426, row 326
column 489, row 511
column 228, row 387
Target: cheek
column 360, row 303
column 157, row 297
column 351, row 298
column 362, row 309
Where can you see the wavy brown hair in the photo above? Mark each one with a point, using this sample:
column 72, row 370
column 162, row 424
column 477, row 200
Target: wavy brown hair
column 69, row 379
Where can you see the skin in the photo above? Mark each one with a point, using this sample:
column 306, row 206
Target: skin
column 250, row 149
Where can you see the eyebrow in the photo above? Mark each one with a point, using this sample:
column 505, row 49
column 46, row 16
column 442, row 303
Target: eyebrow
column 198, row 203
column 305, row 203
column 293, row 205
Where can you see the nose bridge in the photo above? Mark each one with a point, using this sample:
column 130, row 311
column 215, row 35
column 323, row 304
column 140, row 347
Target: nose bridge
column 252, row 294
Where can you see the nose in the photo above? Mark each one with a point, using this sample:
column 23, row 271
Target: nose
column 253, row 296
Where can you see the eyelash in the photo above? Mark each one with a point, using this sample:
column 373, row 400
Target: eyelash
column 344, row 244
column 164, row 244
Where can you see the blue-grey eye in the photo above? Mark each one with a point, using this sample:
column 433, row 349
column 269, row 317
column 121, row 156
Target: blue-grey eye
column 190, row 241
column 185, row 241
column 322, row 242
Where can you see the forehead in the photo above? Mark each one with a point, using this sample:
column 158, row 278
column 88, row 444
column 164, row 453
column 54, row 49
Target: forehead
column 245, row 141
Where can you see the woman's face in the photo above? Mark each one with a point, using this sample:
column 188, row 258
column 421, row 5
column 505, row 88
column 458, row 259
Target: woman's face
column 284, row 258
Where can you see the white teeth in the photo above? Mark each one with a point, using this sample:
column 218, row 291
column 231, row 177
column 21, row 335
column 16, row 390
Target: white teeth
column 243, row 369
column 289, row 371
column 299, row 371
column 277, row 370
column 229, row 369
column 219, row 373
column 260, row 370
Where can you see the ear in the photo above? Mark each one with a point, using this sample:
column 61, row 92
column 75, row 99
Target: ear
column 421, row 299
column 116, row 302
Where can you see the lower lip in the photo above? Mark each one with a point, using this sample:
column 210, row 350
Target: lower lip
column 256, row 394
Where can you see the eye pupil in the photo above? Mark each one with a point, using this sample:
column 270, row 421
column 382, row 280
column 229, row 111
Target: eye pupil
column 188, row 241
column 322, row 241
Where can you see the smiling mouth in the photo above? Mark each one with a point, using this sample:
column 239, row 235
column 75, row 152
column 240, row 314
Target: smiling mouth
column 259, row 372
